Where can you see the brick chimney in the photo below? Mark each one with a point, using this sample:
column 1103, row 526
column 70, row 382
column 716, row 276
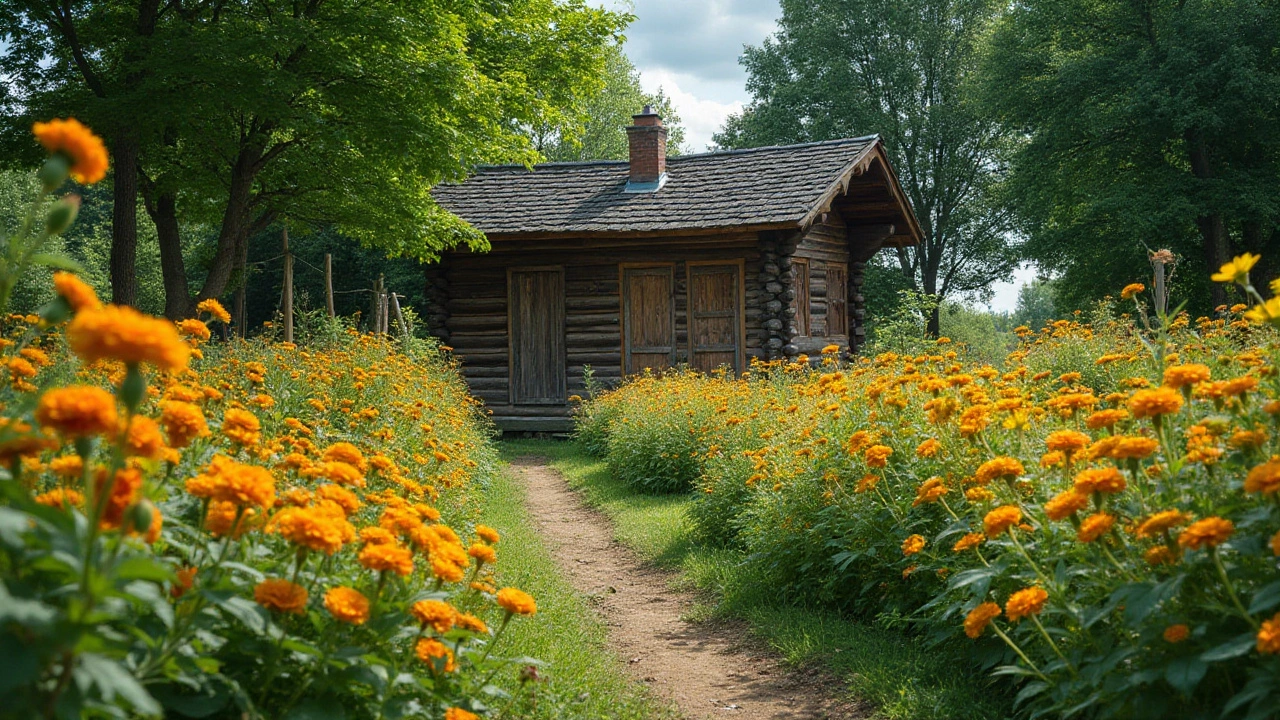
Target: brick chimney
column 647, row 139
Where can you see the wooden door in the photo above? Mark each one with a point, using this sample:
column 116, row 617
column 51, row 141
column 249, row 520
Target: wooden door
column 801, row 267
column 535, row 317
column 648, row 317
column 715, row 316
column 837, row 299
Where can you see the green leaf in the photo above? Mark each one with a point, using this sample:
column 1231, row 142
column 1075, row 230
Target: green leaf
column 19, row 664
column 1266, row 598
column 60, row 262
column 1235, row 647
column 1185, row 673
column 112, row 679
column 1031, row 690
column 1141, row 599
column 20, row 611
column 192, row 706
column 143, row 567
column 249, row 613
column 317, row 709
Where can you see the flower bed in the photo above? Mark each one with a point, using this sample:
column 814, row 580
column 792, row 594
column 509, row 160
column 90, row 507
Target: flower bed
column 239, row 529
column 1096, row 520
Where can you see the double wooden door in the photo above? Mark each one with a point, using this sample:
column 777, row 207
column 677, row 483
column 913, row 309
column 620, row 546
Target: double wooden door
column 712, row 311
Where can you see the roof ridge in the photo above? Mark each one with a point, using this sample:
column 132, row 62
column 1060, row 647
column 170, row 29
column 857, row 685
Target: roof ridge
column 677, row 158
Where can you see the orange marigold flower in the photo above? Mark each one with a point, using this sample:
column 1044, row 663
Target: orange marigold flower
column 85, row 152
column 226, row 480
column 78, row 411
column 976, row 622
column 121, row 333
column 1178, row 376
column 1001, row 519
column 913, row 545
column 1025, row 603
column 1176, row 633
column 516, row 602
column 1106, row 418
column 928, row 448
column 242, row 426
column 143, row 439
column 867, row 483
column 340, row 496
column 383, row 557
column 877, row 456
column 483, row 554
column 1133, row 447
column 978, row 494
column 323, row 528
column 1209, row 532
column 63, row 498
column 228, row 519
column 1269, row 636
column 182, row 422
column 121, row 491
column 1128, row 291
column 455, row 713
column 1065, row 504
column 438, row 615
column 1153, row 403
column 471, row 623
column 337, row 471
column 194, row 328
column 186, row 579
column 78, row 294
column 487, row 534
column 1095, row 526
column 1275, row 544
column 1161, row 523
column 1264, row 478
column 999, row 467
column 347, row 453
column 970, row 540
column 1066, row 441
column 1160, row 555
column 435, row 654
column 347, row 605
column 281, row 596
column 929, row 491
column 214, row 308
column 1100, row 480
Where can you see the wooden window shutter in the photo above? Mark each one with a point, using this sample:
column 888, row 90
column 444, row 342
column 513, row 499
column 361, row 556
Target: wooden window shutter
column 801, row 266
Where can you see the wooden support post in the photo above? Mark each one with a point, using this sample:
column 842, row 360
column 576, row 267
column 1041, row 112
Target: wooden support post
column 395, row 303
column 375, row 318
column 1159, row 262
column 328, row 283
column 287, row 301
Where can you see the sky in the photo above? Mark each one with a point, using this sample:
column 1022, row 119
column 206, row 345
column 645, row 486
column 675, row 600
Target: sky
column 690, row 48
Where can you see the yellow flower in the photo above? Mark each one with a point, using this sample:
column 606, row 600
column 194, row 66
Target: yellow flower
column 999, row 467
column 241, row 426
column 323, row 528
column 182, row 422
column 1264, row 478
column 877, row 456
column 1237, row 271
column 1001, row 519
column 84, row 151
column 976, row 622
column 912, row 545
column 1099, row 480
column 1065, row 504
column 383, row 557
column 1265, row 312
column 78, row 411
column 1209, row 532
column 516, row 602
column 1178, row 376
column 1131, row 289
column 454, row 713
column 78, row 294
column 143, row 438
column 970, row 540
column 1025, row 603
column 121, row 333
column 1161, row 523
column 487, row 534
column 929, row 491
column 1160, row 401
column 194, row 328
column 347, row 605
column 281, row 596
column 482, row 553
column 435, row 654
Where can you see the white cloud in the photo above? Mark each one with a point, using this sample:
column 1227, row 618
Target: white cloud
column 1006, row 293
column 700, row 116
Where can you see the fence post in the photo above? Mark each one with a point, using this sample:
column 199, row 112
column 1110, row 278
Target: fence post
column 328, row 283
column 288, row 287
column 395, row 303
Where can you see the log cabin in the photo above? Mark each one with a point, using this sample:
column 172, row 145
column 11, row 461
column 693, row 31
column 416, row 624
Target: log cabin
column 705, row 260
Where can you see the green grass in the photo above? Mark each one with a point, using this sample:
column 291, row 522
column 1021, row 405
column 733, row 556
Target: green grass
column 583, row 677
column 891, row 669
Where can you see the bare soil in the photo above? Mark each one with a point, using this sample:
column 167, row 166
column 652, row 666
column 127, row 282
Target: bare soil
column 710, row 670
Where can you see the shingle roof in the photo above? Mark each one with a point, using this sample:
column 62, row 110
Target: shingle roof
column 757, row 187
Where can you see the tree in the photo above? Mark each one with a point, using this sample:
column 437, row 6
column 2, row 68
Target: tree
column 900, row 68
column 1036, row 304
column 1147, row 125
column 342, row 113
column 606, row 115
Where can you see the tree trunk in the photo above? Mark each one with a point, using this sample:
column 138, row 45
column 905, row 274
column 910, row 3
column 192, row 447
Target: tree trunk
column 233, row 235
column 124, row 220
column 1212, row 224
column 163, row 209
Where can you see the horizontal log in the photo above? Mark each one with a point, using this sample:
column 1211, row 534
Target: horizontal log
column 462, row 342
column 509, row 410
column 476, row 306
column 509, row 424
column 474, row 323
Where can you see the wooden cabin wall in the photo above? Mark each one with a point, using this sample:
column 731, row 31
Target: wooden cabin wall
column 470, row 304
column 825, row 243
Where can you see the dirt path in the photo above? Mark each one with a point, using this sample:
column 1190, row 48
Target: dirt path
column 706, row 669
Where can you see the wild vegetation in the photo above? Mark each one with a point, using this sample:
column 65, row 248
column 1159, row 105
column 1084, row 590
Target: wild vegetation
column 1096, row 512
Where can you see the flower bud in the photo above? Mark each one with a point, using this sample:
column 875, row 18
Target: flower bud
column 138, row 517
column 54, row 172
column 62, row 214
